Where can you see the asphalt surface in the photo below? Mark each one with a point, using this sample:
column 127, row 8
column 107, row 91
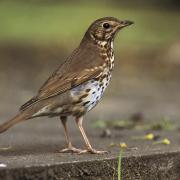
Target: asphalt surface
column 29, row 151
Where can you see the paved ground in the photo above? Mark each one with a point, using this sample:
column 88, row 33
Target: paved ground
column 31, row 154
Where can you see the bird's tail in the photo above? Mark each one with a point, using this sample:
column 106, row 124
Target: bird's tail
column 18, row 118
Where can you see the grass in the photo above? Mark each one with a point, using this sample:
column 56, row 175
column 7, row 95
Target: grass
column 66, row 22
column 164, row 123
column 119, row 165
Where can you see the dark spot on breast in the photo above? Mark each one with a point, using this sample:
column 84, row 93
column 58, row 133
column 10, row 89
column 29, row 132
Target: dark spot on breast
column 104, row 56
column 102, row 77
column 77, row 102
column 93, row 92
column 97, row 97
column 87, row 90
column 106, row 84
column 93, row 103
column 86, row 103
column 83, row 96
column 97, row 78
column 106, row 45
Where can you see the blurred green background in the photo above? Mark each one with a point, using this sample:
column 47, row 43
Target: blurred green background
column 37, row 35
column 64, row 22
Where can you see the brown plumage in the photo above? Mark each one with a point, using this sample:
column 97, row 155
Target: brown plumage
column 79, row 83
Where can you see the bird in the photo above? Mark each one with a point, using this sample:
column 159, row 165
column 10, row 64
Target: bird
column 78, row 84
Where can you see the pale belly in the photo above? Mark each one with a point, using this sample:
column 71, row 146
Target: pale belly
column 89, row 93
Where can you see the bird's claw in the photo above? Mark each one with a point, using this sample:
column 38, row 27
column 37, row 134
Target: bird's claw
column 92, row 151
column 70, row 150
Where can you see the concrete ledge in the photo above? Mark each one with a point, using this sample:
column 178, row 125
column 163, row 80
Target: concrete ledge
column 32, row 155
column 163, row 166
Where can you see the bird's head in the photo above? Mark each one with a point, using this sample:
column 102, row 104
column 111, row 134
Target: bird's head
column 105, row 29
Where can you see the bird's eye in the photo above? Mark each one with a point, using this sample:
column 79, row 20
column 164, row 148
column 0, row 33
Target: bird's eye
column 106, row 25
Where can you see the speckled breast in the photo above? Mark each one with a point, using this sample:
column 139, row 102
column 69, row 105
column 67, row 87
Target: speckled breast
column 89, row 93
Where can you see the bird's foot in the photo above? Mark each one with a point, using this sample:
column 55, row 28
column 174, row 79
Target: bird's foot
column 70, row 149
column 92, row 151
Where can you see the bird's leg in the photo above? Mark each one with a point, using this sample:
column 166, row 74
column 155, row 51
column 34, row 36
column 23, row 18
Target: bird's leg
column 89, row 149
column 69, row 148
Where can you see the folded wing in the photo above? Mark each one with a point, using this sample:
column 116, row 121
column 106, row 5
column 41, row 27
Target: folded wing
column 77, row 69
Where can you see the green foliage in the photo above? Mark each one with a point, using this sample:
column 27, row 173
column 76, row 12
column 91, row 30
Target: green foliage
column 100, row 124
column 162, row 124
column 65, row 22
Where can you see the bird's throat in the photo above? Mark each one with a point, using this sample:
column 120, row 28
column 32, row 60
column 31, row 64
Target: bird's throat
column 107, row 53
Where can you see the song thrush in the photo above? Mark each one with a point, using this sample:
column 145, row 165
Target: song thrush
column 79, row 83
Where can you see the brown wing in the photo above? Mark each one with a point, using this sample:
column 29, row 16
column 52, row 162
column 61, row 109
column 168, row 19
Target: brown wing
column 60, row 85
column 76, row 70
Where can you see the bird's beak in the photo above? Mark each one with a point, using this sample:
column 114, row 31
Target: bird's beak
column 125, row 23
